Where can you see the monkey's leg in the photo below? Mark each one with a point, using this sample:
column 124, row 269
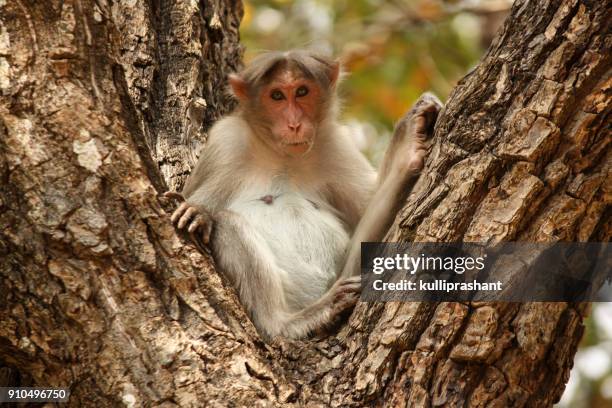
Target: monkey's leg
column 246, row 259
column 417, row 122
column 341, row 296
column 399, row 171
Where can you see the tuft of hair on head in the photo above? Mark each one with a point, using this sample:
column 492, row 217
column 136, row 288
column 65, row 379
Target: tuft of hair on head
column 323, row 69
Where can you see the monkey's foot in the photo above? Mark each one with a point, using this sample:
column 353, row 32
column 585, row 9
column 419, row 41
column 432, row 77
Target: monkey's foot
column 413, row 131
column 345, row 294
column 423, row 115
column 194, row 220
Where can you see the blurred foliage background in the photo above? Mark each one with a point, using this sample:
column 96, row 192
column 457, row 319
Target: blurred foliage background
column 393, row 51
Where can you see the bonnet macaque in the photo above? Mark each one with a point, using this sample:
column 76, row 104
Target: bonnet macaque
column 284, row 198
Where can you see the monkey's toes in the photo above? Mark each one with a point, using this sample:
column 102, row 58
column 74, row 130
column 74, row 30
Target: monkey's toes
column 425, row 114
column 178, row 213
column 347, row 300
column 202, row 223
column 189, row 214
column 348, row 286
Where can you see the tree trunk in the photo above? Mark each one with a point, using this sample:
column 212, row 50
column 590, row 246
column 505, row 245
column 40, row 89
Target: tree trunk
column 103, row 105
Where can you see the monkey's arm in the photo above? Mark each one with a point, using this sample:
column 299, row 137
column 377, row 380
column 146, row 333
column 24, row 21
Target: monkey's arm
column 212, row 181
column 214, row 178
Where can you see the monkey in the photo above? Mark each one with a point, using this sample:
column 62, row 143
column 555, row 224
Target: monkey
column 283, row 197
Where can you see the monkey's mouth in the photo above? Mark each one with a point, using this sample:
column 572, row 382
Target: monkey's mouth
column 298, row 147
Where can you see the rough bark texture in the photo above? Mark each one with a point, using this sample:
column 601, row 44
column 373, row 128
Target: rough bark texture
column 103, row 105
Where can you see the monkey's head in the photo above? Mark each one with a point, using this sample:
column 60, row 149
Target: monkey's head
column 286, row 96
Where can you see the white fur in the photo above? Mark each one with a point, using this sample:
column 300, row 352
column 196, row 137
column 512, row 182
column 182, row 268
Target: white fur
column 307, row 243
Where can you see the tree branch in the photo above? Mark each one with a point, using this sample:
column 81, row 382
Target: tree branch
column 100, row 294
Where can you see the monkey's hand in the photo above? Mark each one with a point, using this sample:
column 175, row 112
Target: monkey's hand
column 412, row 133
column 194, row 219
column 345, row 294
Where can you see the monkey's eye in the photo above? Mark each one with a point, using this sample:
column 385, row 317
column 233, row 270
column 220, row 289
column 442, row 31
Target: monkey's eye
column 301, row 91
column 277, row 95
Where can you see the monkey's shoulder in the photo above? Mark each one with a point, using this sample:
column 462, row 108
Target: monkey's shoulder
column 229, row 134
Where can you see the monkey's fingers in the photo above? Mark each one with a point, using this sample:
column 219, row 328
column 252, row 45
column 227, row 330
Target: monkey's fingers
column 204, row 224
column 178, row 213
column 187, row 216
column 173, row 195
column 197, row 222
column 197, row 243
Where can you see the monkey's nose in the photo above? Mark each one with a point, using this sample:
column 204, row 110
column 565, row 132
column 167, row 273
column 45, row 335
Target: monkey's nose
column 295, row 127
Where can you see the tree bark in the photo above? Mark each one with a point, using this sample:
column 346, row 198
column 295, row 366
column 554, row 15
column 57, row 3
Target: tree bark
column 103, row 106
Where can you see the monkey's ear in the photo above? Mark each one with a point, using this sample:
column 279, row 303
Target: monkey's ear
column 334, row 73
column 239, row 87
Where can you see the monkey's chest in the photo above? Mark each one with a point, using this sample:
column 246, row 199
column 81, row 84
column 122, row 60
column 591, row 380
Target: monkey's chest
column 306, row 240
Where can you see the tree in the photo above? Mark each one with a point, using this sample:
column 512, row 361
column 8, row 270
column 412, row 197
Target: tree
column 103, row 105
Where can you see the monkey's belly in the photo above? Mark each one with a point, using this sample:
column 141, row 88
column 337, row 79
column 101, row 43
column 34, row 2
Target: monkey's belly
column 307, row 242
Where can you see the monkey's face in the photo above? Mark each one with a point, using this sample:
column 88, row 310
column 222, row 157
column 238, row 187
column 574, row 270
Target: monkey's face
column 291, row 106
